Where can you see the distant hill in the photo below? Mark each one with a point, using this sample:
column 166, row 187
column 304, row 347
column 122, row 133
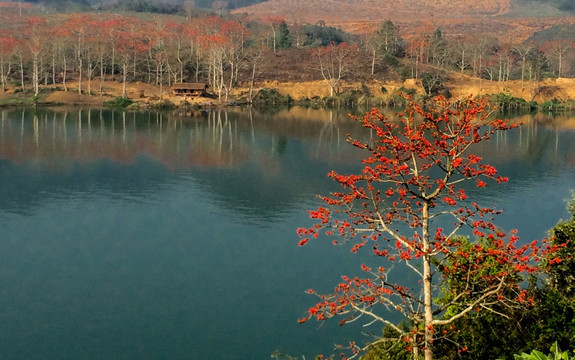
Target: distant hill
column 558, row 32
column 513, row 20
column 345, row 11
column 330, row 10
column 159, row 6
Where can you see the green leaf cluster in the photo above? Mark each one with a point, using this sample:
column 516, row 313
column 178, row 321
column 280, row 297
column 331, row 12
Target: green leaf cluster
column 556, row 354
column 119, row 102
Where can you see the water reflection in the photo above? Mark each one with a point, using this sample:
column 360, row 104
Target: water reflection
column 172, row 235
column 247, row 158
column 250, row 161
column 131, row 154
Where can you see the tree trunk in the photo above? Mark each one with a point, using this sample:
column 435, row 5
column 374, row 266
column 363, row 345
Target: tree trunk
column 54, row 69
column 64, row 72
column 427, row 289
column 251, row 96
column 2, row 74
column 35, row 74
column 124, row 76
column 80, row 75
column 21, row 58
column 373, row 62
column 90, row 69
column 101, row 90
column 113, row 65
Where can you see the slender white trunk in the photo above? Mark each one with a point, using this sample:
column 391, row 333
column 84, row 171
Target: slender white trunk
column 21, row 58
column 124, row 76
column 80, row 75
column 373, row 62
column 427, row 288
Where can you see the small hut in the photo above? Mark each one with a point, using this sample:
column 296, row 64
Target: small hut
column 189, row 89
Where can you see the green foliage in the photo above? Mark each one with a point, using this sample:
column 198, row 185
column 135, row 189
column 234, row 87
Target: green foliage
column 404, row 71
column 147, row 6
column 232, row 4
column 392, row 349
column 556, row 354
column 163, row 105
column 272, row 97
column 64, row 6
column 352, row 98
column 392, row 45
column 555, row 32
column 398, row 96
column 315, row 102
column 562, row 273
column 432, row 83
column 283, row 40
column 390, row 60
column 317, row 35
column 564, row 5
column 554, row 106
column 506, row 102
column 552, row 319
column 119, row 102
column 539, row 63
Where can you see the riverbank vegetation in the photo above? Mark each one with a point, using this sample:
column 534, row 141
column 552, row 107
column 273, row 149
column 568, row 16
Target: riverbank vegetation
column 102, row 54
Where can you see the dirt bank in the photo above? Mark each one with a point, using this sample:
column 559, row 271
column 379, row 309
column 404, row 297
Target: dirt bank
column 460, row 86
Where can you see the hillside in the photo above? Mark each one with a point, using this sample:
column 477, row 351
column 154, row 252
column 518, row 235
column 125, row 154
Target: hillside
column 513, row 20
column 349, row 11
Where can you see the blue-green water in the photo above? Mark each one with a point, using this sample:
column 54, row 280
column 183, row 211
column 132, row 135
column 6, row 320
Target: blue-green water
column 160, row 236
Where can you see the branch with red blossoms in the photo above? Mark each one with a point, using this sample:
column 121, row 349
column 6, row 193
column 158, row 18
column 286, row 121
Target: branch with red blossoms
column 413, row 173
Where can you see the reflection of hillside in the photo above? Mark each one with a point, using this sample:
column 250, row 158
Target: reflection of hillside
column 254, row 162
column 560, row 121
column 532, row 145
column 214, row 139
column 62, row 138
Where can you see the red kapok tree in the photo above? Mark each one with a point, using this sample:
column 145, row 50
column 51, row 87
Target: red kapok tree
column 408, row 206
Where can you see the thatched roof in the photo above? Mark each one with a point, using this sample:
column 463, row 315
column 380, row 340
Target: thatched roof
column 189, row 86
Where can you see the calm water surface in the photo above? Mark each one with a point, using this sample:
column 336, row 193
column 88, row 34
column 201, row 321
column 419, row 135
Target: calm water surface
column 160, row 236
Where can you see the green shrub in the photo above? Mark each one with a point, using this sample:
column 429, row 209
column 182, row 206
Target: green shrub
column 398, row 96
column 119, row 102
column 163, row 105
column 507, row 103
column 556, row 354
column 551, row 106
column 272, row 97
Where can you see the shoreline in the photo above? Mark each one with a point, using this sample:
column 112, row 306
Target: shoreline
column 560, row 90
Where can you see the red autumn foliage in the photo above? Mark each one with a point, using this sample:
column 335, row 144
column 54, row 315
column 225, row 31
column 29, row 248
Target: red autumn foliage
column 412, row 179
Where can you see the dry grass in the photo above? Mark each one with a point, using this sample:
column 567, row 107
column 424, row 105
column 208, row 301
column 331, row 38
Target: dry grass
column 460, row 86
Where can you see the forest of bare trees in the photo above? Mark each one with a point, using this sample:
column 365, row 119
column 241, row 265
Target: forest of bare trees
column 54, row 50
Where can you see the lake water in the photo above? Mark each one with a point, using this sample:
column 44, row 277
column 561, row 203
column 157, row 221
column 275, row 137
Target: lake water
column 172, row 236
